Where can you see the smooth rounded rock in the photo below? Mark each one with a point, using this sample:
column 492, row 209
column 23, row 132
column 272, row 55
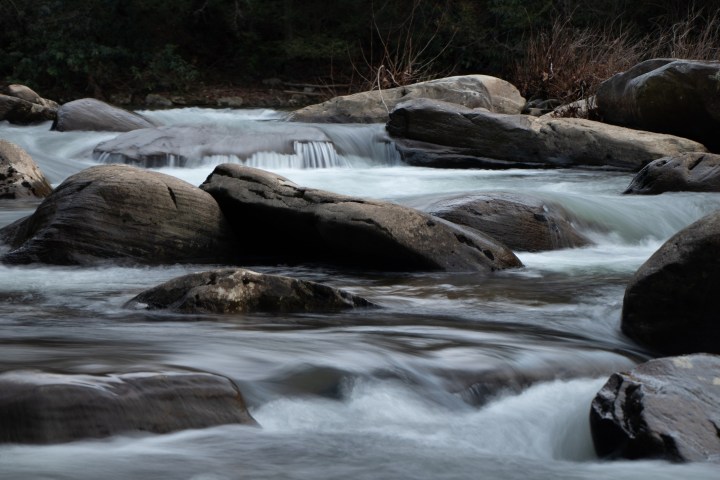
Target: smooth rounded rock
column 43, row 408
column 20, row 104
column 89, row 114
column 20, row 176
column 662, row 409
column 671, row 304
column 240, row 290
column 122, row 213
column 687, row 172
column 284, row 222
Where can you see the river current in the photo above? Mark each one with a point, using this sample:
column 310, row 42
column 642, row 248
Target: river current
column 457, row 376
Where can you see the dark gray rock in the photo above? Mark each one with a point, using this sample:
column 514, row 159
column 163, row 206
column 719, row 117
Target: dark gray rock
column 438, row 134
column 41, row 408
column 671, row 304
column 679, row 97
column 687, row 172
column 122, row 213
column 288, row 223
column 373, row 106
column 666, row 408
column 20, row 104
column 522, row 222
column 240, row 290
column 20, row 177
column 90, row 114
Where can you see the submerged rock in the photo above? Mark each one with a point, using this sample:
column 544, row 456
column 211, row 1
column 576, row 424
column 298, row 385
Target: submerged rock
column 687, row 172
column 183, row 145
column 438, row 134
column 522, row 222
column 122, row 213
column 20, row 176
column 666, row 95
column 665, row 408
column 20, row 104
column 373, row 106
column 240, row 290
column 283, row 222
column 671, row 304
column 42, row 408
column 94, row 115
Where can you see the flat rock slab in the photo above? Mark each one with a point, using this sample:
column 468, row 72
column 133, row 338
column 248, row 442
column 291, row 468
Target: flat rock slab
column 42, row 408
column 182, row 145
column 667, row 408
column 687, row 172
column 20, row 176
column 438, row 134
column 671, row 304
column 283, row 222
column 373, row 106
column 522, row 222
column 89, row 114
column 667, row 95
column 240, row 290
column 122, row 213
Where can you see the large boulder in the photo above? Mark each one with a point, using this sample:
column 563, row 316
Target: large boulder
column 20, row 176
column 240, row 290
column 373, row 106
column 283, row 222
column 667, row 408
column 20, row 104
column 679, row 97
column 90, row 114
column 687, row 172
column 123, row 213
column 41, row 408
column 671, row 304
column 188, row 145
column 522, row 222
column 439, row 134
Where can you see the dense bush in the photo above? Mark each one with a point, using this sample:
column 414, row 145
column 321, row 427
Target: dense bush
column 70, row 48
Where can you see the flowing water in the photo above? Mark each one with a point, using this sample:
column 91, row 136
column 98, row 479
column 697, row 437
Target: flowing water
column 456, row 376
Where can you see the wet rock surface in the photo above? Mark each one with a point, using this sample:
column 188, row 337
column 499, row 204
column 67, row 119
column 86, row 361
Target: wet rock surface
column 122, row 213
column 522, row 222
column 373, row 106
column 42, row 408
column 665, row 408
column 679, row 97
column 89, row 114
column 687, row 172
column 240, row 290
column 20, row 177
column 284, row 222
column 671, row 303
column 439, row 134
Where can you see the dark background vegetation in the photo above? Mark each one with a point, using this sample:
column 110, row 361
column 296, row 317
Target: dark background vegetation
column 549, row 48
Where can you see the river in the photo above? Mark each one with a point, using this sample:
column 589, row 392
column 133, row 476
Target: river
column 423, row 388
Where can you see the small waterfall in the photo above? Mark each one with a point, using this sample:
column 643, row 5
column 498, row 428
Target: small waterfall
column 307, row 155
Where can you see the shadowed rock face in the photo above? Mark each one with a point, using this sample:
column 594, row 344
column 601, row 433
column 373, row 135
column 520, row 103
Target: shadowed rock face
column 89, row 114
column 284, row 222
column 671, row 304
column 438, row 134
column 38, row 407
column 20, row 104
column 687, row 172
column 679, row 97
column 522, row 222
column 122, row 213
column 20, row 177
column 665, row 408
column 239, row 290
column 373, row 106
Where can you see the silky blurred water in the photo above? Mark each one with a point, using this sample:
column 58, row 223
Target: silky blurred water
column 421, row 388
